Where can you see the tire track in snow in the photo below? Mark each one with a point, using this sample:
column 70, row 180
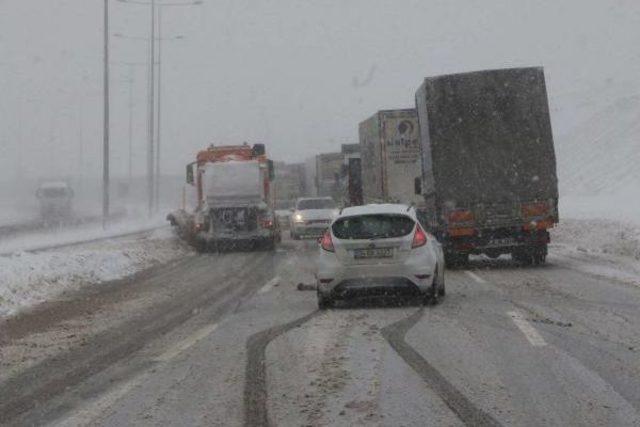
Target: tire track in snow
column 466, row 411
column 255, row 383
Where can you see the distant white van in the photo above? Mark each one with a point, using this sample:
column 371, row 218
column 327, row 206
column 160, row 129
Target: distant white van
column 55, row 200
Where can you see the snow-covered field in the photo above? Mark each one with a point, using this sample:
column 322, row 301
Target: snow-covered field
column 30, row 278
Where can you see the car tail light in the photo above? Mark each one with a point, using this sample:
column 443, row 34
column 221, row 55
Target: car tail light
column 419, row 238
column 536, row 209
column 266, row 223
column 461, row 217
column 326, row 242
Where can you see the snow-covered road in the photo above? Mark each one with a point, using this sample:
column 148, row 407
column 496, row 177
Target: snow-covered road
column 229, row 340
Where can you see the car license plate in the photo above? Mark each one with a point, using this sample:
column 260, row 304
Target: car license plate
column 501, row 242
column 373, row 253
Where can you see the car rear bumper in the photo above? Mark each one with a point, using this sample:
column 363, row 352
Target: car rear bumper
column 413, row 274
column 317, row 229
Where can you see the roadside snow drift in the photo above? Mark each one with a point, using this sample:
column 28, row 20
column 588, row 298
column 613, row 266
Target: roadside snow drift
column 30, row 278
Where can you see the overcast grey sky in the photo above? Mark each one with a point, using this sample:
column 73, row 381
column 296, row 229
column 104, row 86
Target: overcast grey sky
column 296, row 75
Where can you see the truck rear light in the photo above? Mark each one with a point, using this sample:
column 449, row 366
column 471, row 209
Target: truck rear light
column 419, row 238
column 461, row 217
column 460, row 232
column 534, row 210
column 325, row 281
column 326, row 242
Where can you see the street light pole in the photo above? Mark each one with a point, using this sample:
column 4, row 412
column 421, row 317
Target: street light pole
column 153, row 159
column 150, row 152
column 130, row 81
column 105, row 135
column 159, row 134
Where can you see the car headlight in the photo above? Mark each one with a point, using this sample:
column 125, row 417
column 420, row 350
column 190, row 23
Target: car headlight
column 298, row 218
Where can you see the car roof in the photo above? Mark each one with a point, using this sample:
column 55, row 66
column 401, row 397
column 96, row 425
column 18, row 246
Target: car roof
column 54, row 184
column 379, row 208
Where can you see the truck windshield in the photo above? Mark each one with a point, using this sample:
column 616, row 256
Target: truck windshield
column 373, row 226
column 54, row 192
column 316, row 204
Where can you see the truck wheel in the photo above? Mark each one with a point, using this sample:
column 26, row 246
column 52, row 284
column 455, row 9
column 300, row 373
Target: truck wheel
column 200, row 246
column 523, row 256
column 454, row 259
column 324, row 302
column 540, row 255
column 270, row 244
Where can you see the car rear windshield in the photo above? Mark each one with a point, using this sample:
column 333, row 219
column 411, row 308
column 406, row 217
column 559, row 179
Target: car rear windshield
column 316, row 204
column 378, row 226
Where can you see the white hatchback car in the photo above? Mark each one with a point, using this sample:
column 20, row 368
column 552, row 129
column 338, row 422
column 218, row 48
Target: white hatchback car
column 379, row 249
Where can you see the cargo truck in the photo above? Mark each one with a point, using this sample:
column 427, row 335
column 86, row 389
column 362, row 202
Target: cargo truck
column 390, row 153
column 488, row 164
column 234, row 208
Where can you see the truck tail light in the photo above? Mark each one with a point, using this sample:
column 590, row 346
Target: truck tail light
column 461, row 217
column 535, row 210
column 326, row 242
column 419, row 238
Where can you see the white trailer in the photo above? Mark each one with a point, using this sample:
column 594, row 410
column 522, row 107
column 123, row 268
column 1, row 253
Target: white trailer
column 390, row 152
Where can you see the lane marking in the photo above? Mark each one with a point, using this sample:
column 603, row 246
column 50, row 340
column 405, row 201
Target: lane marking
column 532, row 335
column 187, row 343
column 474, row 276
column 269, row 285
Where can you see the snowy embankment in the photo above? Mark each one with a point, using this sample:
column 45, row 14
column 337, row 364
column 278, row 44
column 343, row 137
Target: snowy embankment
column 42, row 239
column 30, row 278
column 599, row 228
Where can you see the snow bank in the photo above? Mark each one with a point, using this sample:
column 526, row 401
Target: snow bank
column 27, row 279
column 599, row 237
column 47, row 238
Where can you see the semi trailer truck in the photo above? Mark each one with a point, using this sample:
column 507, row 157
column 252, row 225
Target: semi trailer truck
column 488, row 163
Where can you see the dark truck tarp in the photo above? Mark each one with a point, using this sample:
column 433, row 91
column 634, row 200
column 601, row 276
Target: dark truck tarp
column 486, row 138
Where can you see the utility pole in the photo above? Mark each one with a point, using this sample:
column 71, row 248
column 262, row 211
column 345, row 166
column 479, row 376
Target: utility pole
column 105, row 131
column 153, row 153
column 130, row 81
column 150, row 158
column 159, row 134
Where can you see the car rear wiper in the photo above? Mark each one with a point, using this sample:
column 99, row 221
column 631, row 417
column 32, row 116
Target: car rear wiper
column 378, row 236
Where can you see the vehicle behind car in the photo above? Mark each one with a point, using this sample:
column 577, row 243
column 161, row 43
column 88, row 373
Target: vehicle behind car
column 379, row 249
column 311, row 216
column 55, row 201
column 489, row 168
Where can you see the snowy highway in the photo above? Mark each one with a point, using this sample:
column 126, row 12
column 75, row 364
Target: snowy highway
column 228, row 339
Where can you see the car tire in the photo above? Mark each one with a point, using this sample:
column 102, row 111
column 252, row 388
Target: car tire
column 324, row 301
column 441, row 285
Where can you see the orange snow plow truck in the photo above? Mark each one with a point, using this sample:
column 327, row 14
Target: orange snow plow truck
column 233, row 209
